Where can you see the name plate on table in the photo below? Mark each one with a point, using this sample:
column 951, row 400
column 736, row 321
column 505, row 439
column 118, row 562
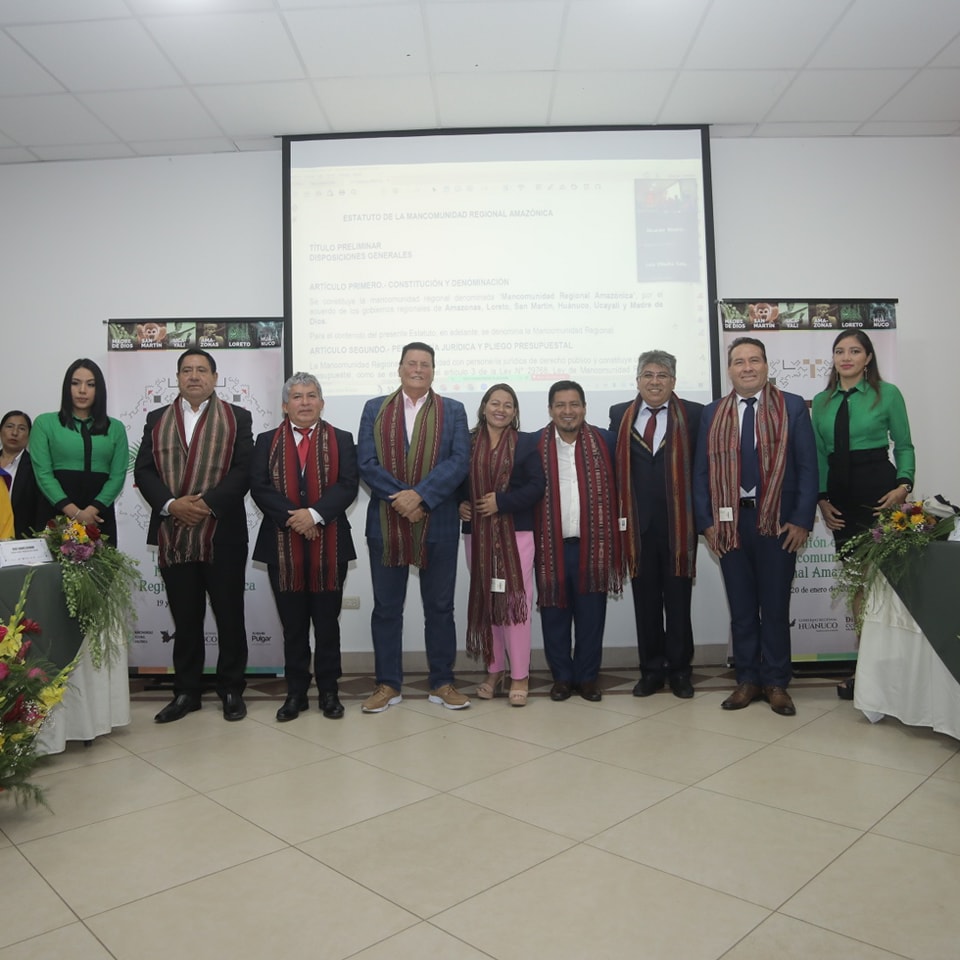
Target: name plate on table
column 24, row 552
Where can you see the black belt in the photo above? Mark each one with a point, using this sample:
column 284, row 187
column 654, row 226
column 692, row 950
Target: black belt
column 571, row 539
column 748, row 503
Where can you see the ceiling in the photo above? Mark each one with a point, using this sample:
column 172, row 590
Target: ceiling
column 90, row 79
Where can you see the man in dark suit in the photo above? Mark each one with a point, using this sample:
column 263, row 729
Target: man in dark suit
column 656, row 439
column 414, row 451
column 192, row 468
column 755, row 493
column 578, row 558
column 303, row 477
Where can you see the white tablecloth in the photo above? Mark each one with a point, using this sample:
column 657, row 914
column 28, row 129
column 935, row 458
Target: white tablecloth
column 898, row 673
column 96, row 701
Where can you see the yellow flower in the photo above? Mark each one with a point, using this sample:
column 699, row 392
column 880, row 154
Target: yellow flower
column 10, row 645
column 897, row 516
column 918, row 519
column 50, row 696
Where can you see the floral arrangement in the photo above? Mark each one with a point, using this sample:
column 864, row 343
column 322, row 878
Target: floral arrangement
column 29, row 690
column 98, row 582
column 887, row 548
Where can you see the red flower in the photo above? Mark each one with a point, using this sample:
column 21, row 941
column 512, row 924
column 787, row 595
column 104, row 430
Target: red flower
column 14, row 713
column 29, row 626
column 24, row 650
column 51, row 524
column 3, row 632
column 93, row 531
column 4, row 670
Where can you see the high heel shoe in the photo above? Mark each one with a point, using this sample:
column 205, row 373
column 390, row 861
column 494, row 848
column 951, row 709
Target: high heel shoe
column 488, row 689
column 518, row 692
column 845, row 689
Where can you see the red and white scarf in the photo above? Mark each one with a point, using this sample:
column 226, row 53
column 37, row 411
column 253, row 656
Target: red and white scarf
column 321, row 471
column 405, row 543
column 682, row 530
column 601, row 557
column 191, row 470
column 723, row 453
column 493, row 547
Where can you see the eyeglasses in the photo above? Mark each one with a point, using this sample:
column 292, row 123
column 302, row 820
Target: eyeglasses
column 657, row 377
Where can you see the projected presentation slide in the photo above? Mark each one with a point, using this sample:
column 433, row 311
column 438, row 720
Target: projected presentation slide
column 527, row 258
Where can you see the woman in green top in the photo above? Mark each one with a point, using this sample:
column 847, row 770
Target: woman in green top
column 80, row 455
column 854, row 421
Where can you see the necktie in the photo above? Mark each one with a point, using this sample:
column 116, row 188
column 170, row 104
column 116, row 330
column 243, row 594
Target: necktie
column 749, row 466
column 303, row 444
column 650, row 428
column 840, row 464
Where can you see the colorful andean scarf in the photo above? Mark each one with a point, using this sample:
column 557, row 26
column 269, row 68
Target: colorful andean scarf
column 723, row 452
column 190, row 471
column 493, row 548
column 683, row 536
column 321, row 471
column 404, row 542
column 601, row 558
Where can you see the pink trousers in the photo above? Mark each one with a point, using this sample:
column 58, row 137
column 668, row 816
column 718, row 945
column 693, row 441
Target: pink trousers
column 512, row 642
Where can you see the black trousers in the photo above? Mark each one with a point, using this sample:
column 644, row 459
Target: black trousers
column 188, row 586
column 297, row 611
column 661, row 606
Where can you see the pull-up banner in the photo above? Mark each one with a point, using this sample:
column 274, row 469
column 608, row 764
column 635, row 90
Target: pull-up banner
column 142, row 376
column 798, row 336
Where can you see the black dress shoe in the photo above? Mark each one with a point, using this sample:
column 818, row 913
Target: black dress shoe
column 561, row 690
column 233, row 707
column 330, row 704
column 291, row 708
column 178, row 707
column 590, row 691
column 681, row 687
column 648, row 685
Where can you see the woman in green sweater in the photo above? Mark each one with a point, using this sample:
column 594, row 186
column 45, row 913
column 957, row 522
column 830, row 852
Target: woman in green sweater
column 80, row 455
column 854, row 420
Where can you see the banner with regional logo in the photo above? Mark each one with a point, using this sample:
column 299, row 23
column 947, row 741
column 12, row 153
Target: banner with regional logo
column 798, row 336
column 142, row 376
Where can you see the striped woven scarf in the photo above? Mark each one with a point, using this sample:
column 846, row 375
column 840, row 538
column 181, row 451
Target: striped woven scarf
column 723, row 451
column 493, row 548
column 321, row 471
column 682, row 532
column 404, row 542
column 601, row 558
column 191, row 471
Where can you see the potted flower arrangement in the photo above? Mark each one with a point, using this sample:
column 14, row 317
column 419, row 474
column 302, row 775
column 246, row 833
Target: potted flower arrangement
column 898, row 535
column 98, row 583
column 29, row 690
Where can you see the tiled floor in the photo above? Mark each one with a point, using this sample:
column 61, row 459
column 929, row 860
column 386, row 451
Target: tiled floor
column 653, row 828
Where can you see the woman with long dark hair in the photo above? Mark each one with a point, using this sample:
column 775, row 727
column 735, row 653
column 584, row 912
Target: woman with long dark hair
column 496, row 507
column 855, row 420
column 80, row 455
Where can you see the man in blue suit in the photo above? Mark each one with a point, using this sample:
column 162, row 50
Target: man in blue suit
column 755, row 489
column 414, row 451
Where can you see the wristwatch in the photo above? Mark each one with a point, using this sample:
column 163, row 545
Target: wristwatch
column 908, row 486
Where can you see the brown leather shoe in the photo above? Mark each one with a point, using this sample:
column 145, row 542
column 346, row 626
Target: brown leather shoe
column 743, row 695
column 779, row 701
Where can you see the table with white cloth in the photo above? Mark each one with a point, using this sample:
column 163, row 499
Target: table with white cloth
column 96, row 699
column 908, row 665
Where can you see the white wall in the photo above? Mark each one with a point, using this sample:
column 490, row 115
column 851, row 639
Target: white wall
column 202, row 236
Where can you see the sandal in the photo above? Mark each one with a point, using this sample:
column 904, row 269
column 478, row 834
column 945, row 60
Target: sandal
column 845, row 689
column 488, row 689
column 518, row 692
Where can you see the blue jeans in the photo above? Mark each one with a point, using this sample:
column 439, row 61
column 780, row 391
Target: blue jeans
column 438, row 580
